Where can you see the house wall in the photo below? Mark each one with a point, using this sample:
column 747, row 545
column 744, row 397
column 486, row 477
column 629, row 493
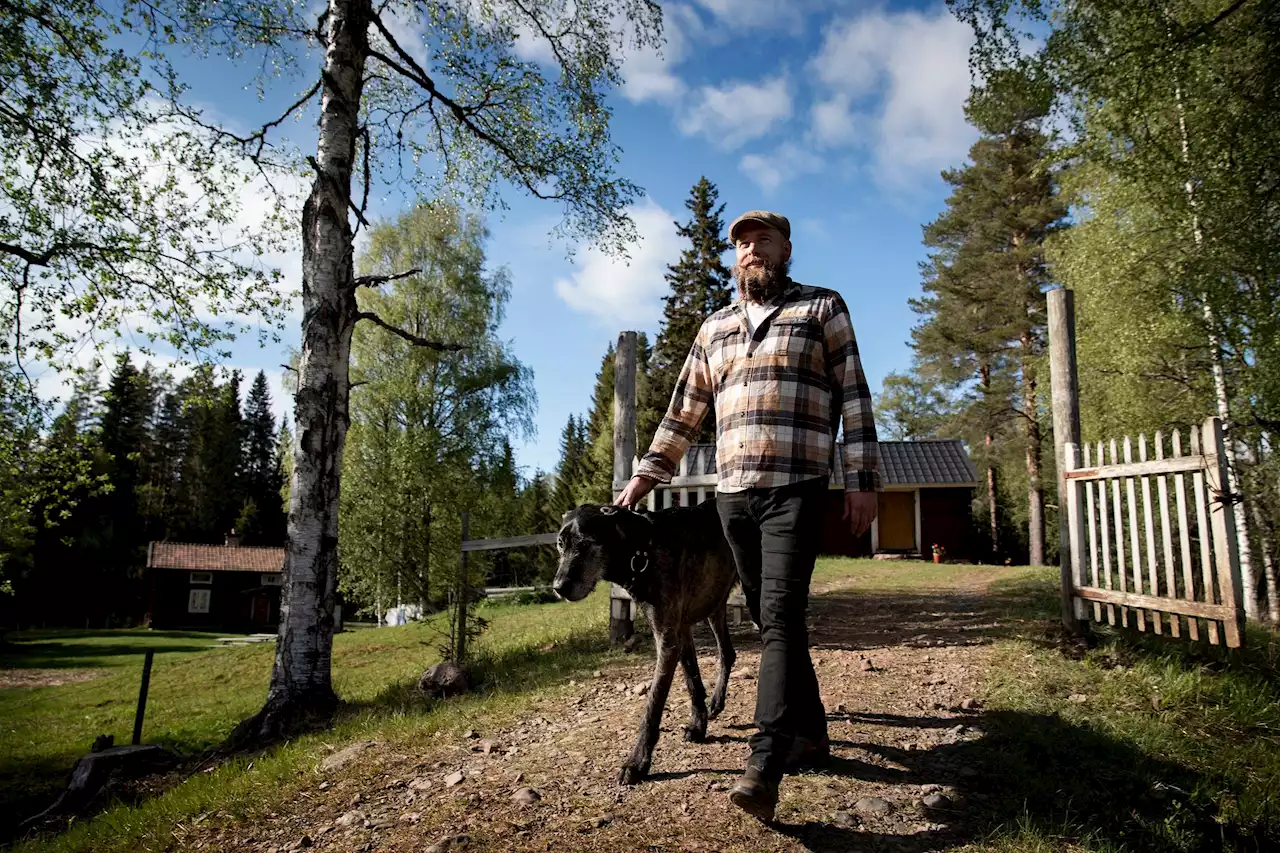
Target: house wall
column 231, row 602
column 837, row 541
column 946, row 518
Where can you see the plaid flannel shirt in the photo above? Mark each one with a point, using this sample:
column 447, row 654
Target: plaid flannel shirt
column 778, row 396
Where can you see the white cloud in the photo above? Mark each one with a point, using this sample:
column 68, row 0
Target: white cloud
column 787, row 161
column 618, row 293
column 648, row 73
column 738, row 111
column 786, row 16
column 832, row 120
column 896, row 82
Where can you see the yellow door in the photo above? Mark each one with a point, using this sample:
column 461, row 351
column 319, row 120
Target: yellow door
column 897, row 521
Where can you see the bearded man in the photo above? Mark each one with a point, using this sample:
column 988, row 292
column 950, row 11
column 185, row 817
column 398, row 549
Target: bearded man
column 781, row 368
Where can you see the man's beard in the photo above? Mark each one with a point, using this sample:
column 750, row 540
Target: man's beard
column 762, row 284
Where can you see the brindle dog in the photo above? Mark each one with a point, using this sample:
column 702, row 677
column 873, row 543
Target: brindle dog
column 677, row 565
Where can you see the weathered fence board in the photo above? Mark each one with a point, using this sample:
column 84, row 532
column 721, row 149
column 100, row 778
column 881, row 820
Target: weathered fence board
column 1190, row 570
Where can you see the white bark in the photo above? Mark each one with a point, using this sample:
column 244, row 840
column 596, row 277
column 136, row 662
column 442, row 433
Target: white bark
column 301, row 679
column 1247, row 577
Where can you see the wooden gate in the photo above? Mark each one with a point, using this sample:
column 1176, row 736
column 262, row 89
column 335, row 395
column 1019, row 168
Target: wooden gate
column 1152, row 539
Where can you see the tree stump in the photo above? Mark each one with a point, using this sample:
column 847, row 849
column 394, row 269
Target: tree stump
column 98, row 769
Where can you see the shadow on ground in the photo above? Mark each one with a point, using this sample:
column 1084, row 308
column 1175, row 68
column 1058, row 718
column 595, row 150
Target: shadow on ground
column 1044, row 778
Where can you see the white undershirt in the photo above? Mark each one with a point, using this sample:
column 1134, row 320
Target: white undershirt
column 756, row 314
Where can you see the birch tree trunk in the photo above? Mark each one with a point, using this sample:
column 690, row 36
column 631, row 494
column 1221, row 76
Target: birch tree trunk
column 1035, row 487
column 1248, row 577
column 300, row 679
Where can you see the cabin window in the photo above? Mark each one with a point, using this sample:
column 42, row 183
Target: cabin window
column 198, row 601
column 202, row 577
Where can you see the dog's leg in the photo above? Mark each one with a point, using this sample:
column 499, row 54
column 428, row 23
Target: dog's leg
column 696, row 730
column 636, row 766
column 719, row 622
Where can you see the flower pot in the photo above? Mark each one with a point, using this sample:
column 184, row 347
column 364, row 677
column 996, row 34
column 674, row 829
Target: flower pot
column 937, row 558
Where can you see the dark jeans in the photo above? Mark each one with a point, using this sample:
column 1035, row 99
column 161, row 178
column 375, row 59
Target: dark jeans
column 774, row 534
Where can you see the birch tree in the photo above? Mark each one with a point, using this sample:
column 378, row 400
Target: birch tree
column 446, row 99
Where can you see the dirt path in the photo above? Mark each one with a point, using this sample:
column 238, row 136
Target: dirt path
column 900, row 673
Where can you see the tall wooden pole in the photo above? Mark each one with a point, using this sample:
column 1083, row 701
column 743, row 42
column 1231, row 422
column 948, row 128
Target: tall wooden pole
column 1066, row 429
column 621, row 625
column 624, row 410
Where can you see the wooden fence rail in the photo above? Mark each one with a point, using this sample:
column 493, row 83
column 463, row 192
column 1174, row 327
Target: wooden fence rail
column 1140, row 559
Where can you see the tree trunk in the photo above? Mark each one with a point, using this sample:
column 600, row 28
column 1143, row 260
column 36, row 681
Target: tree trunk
column 300, row 680
column 984, row 373
column 425, row 563
column 1248, row 579
column 1265, row 544
column 1035, row 488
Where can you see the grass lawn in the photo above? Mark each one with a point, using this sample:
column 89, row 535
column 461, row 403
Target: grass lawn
column 198, row 693
column 1133, row 744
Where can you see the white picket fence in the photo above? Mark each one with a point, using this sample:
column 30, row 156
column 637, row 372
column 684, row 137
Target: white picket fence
column 1153, row 539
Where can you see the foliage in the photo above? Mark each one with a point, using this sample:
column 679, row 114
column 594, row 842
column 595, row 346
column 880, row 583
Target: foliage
column 700, row 286
column 912, row 406
column 143, row 459
column 430, row 432
column 1173, row 108
column 983, row 313
column 114, row 212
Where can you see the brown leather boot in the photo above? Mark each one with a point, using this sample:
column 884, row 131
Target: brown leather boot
column 755, row 795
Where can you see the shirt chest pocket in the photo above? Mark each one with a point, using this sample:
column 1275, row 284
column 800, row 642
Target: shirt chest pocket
column 723, row 352
column 797, row 337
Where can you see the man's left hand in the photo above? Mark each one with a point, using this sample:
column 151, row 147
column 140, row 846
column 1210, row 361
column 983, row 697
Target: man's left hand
column 860, row 510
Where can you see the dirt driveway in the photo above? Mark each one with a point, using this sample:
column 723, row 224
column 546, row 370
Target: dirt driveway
column 901, row 674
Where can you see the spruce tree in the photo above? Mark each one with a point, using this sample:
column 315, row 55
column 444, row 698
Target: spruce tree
column 700, row 286
column 598, row 462
column 262, row 514
column 569, row 473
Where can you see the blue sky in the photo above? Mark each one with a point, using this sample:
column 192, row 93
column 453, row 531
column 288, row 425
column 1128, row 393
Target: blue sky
column 839, row 115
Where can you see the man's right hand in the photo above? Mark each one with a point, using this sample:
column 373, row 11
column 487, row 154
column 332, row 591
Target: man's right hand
column 635, row 491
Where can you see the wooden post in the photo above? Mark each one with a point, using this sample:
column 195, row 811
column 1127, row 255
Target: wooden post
column 1226, row 545
column 460, row 601
column 1066, row 430
column 142, row 697
column 621, row 624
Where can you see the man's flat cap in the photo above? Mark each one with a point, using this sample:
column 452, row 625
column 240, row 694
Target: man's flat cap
column 763, row 217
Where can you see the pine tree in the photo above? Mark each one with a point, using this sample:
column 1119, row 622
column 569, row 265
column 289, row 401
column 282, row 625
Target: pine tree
column 987, row 274
column 700, row 286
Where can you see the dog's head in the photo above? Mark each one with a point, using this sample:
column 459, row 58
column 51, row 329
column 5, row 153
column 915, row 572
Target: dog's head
column 597, row 542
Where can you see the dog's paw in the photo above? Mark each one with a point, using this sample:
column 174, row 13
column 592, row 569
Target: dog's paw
column 632, row 774
column 695, row 734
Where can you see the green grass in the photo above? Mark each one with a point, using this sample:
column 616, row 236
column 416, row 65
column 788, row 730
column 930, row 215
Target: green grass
column 883, row 575
column 197, row 695
column 1197, row 770
column 1138, row 743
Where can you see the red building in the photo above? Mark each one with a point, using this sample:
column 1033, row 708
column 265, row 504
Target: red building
column 927, row 498
column 226, row 587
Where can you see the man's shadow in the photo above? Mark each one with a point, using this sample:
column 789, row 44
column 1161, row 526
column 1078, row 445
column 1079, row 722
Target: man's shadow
column 1031, row 774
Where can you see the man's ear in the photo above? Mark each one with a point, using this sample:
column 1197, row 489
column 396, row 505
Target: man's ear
column 786, row 251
